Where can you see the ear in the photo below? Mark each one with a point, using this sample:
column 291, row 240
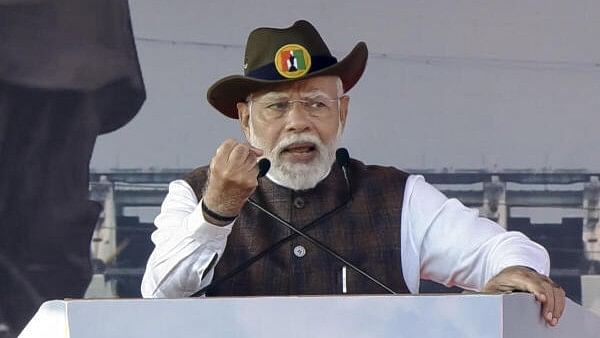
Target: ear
column 244, row 117
column 344, row 101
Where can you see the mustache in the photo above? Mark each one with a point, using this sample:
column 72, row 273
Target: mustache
column 298, row 138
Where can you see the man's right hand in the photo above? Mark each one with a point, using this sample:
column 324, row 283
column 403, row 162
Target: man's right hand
column 232, row 178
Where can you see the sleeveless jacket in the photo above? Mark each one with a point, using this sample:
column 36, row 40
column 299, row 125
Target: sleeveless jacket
column 365, row 231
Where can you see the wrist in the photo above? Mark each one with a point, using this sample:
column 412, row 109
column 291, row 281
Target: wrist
column 216, row 218
column 221, row 202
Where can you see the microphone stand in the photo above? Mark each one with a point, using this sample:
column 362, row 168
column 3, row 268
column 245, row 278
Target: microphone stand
column 321, row 246
column 268, row 250
column 342, row 157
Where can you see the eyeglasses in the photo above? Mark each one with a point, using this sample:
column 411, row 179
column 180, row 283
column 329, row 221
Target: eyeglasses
column 316, row 107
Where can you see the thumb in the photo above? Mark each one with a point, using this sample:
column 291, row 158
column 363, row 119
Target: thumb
column 257, row 151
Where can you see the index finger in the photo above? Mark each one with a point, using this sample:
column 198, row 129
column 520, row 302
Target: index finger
column 225, row 148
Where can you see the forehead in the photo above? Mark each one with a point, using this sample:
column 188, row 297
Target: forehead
column 323, row 84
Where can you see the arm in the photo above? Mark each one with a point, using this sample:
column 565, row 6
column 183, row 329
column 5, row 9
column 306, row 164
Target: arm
column 449, row 243
column 184, row 246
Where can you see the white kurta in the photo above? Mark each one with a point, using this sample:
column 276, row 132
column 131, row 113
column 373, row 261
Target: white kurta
column 441, row 240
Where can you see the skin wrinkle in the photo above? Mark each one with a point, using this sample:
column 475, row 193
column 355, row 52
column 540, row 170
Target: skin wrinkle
column 272, row 96
column 297, row 176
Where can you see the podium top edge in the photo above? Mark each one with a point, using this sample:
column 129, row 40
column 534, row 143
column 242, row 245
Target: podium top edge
column 360, row 296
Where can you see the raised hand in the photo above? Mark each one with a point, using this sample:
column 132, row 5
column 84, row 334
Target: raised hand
column 232, row 178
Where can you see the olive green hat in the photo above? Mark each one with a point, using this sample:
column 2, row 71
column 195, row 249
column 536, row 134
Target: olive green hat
column 280, row 55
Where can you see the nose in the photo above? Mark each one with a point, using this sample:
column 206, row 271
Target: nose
column 297, row 119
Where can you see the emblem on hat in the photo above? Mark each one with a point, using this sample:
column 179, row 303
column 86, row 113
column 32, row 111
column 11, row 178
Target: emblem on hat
column 292, row 61
column 275, row 56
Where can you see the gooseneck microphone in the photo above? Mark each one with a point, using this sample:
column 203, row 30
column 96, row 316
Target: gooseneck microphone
column 343, row 159
column 321, row 246
column 263, row 167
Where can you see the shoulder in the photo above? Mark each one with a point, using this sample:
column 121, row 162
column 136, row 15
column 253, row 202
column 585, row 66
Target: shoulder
column 371, row 171
column 378, row 181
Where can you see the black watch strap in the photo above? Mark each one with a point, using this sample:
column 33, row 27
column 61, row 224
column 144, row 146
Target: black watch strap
column 216, row 216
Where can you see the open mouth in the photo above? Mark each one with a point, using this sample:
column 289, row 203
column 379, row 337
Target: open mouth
column 300, row 148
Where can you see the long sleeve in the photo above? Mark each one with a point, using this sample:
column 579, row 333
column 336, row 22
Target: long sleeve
column 185, row 244
column 444, row 241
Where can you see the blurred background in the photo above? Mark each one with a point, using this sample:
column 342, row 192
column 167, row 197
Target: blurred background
column 496, row 103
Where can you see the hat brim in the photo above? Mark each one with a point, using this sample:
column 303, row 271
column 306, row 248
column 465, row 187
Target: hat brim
column 228, row 91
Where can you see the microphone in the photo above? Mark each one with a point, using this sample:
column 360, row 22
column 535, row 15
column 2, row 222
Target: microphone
column 263, row 167
column 342, row 158
column 321, row 246
column 268, row 250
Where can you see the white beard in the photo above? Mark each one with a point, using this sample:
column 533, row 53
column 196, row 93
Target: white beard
column 298, row 176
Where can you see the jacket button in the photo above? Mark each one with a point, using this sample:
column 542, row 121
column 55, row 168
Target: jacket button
column 299, row 202
column 299, row 251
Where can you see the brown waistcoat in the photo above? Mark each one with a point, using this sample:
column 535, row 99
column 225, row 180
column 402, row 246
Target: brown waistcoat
column 366, row 232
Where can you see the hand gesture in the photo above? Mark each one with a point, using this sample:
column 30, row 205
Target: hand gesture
column 232, row 178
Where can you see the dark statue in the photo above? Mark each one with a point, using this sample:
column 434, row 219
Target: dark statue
column 68, row 73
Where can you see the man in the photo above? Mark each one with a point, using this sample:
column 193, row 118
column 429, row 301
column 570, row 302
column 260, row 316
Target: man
column 219, row 225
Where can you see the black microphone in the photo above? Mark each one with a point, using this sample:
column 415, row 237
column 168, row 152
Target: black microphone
column 342, row 158
column 321, row 246
column 263, row 167
column 268, row 250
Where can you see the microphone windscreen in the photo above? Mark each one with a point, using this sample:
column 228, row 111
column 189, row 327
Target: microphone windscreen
column 342, row 157
column 263, row 167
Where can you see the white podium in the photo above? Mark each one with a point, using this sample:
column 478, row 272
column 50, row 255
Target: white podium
column 477, row 316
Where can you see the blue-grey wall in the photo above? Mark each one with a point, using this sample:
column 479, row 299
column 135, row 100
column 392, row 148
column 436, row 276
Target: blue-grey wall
column 511, row 83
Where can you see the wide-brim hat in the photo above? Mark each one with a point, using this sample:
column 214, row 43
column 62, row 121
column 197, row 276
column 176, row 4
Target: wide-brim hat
column 281, row 55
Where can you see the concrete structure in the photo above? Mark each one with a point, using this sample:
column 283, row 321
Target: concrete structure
column 118, row 190
column 590, row 292
column 591, row 204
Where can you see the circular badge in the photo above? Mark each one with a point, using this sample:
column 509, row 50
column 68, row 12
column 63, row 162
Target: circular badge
column 292, row 61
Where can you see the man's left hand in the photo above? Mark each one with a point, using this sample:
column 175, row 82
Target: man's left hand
column 519, row 278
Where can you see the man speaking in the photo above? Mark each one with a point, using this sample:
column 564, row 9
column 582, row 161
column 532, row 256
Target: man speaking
column 320, row 222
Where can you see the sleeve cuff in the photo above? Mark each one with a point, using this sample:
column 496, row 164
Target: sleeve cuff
column 203, row 229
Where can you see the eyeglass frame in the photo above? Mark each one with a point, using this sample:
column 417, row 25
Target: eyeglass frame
column 290, row 104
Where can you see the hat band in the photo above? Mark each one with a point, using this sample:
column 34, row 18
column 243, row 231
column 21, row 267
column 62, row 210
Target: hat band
column 269, row 72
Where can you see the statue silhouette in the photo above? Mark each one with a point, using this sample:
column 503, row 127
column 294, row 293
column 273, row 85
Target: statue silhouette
column 68, row 72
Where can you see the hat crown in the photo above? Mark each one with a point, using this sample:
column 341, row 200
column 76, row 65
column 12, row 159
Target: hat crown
column 263, row 44
column 276, row 56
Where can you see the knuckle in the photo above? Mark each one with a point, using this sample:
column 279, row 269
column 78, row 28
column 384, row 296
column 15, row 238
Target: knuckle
column 226, row 144
column 252, row 155
column 228, row 175
column 240, row 148
column 212, row 166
